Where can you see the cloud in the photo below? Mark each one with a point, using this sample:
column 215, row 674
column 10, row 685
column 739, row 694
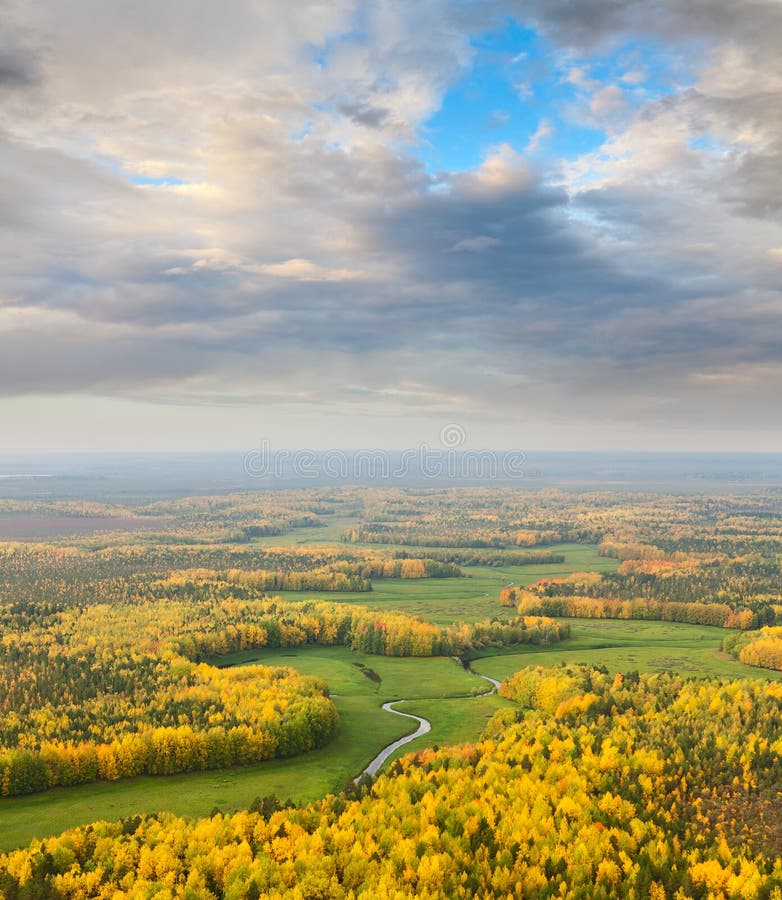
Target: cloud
column 635, row 76
column 477, row 244
column 228, row 205
column 541, row 134
column 306, row 270
column 725, row 81
column 15, row 70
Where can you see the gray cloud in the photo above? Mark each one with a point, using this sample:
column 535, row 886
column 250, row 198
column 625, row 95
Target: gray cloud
column 585, row 24
column 15, row 70
column 201, row 204
column 364, row 114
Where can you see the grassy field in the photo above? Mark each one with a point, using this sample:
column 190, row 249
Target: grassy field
column 624, row 646
column 328, row 533
column 470, row 599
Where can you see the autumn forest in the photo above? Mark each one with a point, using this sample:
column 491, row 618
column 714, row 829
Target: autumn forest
column 193, row 691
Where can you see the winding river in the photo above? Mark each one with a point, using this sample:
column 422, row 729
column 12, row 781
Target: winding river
column 424, row 726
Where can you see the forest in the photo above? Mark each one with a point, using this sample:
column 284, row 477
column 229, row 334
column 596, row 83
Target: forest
column 137, row 653
column 597, row 783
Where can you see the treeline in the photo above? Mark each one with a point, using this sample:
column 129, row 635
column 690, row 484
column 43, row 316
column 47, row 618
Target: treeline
column 757, row 648
column 224, row 718
column 696, row 613
column 261, row 582
column 741, row 582
column 381, row 533
column 403, row 567
column 740, row 593
column 490, row 516
column 496, row 558
column 40, row 560
column 609, row 787
column 277, row 623
column 635, row 551
column 340, row 576
column 234, row 518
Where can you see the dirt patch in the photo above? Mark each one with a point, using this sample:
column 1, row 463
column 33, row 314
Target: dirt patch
column 370, row 673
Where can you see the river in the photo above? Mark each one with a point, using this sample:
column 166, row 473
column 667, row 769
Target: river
column 424, row 726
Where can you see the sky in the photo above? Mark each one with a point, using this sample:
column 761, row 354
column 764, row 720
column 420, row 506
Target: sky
column 347, row 224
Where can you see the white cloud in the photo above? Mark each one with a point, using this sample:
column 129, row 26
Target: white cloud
column 541, row 134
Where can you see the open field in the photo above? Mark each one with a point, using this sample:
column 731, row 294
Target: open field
column 328, row 533
column 474, row 598
column 624, row 646
column 401, row 677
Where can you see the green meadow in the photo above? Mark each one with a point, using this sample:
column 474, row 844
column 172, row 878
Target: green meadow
column 626, row 646
column 469, row 599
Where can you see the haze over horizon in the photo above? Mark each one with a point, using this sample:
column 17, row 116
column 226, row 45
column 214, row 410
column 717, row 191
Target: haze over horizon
column 349, row 224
